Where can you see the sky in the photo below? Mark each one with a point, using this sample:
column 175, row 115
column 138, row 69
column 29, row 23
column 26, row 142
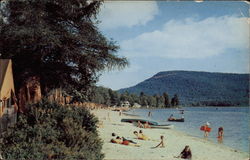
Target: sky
column 160, row 36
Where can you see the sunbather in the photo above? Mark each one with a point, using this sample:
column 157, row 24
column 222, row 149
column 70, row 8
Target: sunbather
column 120, row 140
column 141, row 136
column 113, row 134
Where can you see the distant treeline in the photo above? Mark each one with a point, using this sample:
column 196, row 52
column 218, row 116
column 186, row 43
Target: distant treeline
column 109, row 97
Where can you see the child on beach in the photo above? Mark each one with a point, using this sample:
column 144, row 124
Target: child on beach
column 220, row 134
column 161, row 144
column 185, row 154
column 206, row 129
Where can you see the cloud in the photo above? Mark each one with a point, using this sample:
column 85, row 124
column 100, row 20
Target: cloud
column 190, row 38
column 115, row 14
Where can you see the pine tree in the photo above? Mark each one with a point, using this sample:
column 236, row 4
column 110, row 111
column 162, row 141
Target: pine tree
column 166, row 100
column 57, row 41
column 175, row 100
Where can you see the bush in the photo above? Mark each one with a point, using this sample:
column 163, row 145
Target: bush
column 51, row 131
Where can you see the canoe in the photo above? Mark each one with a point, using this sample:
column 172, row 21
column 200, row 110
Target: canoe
column 176, row 120
column 132, row 120
column 152, row 124
column 163, row 126
column 158, row 126
column 129, row 114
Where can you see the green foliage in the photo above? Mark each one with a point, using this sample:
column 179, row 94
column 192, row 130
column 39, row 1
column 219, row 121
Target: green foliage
column 175, row 100
column 143, row 99
column 166, row 100
column 56, row 40
column 103, row 95
column 197, row 88
column 53, row 131
column 109, row 97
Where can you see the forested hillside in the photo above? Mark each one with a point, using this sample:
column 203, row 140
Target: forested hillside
column 197, row 88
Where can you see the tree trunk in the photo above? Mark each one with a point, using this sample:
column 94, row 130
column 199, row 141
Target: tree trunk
column 30, row 92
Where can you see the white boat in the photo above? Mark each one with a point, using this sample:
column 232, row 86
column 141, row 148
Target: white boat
column 162, row 126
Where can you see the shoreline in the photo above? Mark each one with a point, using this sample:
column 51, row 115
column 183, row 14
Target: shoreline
column 175, row 141
column 231, row 137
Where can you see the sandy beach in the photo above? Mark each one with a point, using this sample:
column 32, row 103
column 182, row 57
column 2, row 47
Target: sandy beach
column 174, row 140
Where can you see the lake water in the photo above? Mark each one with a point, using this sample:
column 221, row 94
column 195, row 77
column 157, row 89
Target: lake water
column 234, row 120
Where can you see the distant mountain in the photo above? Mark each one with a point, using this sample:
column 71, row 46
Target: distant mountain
column 197, row 87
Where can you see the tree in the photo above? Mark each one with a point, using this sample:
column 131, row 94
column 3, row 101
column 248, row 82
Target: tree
column 57, row 41
column 159, row 101
column 175, row 100
column 151, row 101
column 166, row 100
column 135, row 99
column 114, row 97
column 143, row 99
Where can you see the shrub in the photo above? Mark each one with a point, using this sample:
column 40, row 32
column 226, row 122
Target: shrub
column 52, row 131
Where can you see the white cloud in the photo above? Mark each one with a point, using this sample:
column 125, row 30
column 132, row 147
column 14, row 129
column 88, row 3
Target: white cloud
column 126, row 13
column 191, row 39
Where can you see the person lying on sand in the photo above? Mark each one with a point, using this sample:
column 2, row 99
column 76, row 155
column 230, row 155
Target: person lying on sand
column 141, row 136
column 119, row 140
column 116, row 140
column 185, row 154
column 161, row 144
column 146, row 125
column 113, row 134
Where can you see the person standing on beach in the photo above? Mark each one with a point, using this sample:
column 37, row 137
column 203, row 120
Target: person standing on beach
column 149, row 114
column 206, row 129
column 161, row 144
column 220, row 134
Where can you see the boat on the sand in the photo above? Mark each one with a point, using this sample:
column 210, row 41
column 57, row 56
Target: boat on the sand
column 152, row 124
column 163, row 126
column 158, row 126
column 129, row 114
column 132, row 120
